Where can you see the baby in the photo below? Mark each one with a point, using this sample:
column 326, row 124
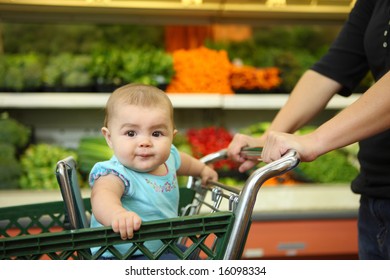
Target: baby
column 139, row 183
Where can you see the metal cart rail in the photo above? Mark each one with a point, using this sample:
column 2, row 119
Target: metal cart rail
column 207, row 231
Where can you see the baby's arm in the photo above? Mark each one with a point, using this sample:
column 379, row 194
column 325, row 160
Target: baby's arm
column 108, row 209
column 191, row 166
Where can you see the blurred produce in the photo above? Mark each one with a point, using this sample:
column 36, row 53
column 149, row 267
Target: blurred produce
column 201, row 70
column 12, row 132
column 14, row 136
column 21, row 72
column 39, row 165
column 104, row 68
column 90, row 151
column 292, row 65
column 338, row 166
column 147, row 66
column 83, row 38
column 332, row 167
column 181, row 142
column 10, row 168
column 119, row 55
column 256, row 129
column 251, row 78
column 68, row 72
column 204, row 141
column 291, row 49
column 78, row 77
column 208, row 140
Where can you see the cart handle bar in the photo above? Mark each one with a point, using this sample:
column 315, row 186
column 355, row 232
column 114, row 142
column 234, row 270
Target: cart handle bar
column 248, row 197
column 248, row 194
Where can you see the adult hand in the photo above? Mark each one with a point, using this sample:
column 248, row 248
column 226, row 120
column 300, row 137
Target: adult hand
column 279, row 143
column 234, row 149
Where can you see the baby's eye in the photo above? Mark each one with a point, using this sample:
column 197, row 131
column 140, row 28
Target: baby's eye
column 131, row 133
column 157, row 134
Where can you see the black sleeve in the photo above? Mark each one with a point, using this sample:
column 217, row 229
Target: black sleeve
column 346, row 62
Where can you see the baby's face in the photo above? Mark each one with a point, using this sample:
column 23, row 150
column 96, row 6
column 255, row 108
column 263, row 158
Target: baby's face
column 141, row 137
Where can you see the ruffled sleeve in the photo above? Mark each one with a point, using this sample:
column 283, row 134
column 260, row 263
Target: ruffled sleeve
column 104, row 168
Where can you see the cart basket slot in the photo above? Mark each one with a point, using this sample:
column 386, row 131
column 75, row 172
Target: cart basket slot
column 67, row 244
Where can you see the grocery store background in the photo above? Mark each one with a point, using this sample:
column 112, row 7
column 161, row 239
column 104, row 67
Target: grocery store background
column 228, row 66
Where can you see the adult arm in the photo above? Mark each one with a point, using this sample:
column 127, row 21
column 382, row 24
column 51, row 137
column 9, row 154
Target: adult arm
column 365, row 117
column 309, row 97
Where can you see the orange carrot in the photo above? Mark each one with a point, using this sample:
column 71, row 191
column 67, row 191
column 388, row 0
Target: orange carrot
column 201, row 70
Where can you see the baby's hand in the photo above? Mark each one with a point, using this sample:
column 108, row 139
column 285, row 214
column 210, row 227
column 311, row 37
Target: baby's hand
column 126, row 222
column 208, row 174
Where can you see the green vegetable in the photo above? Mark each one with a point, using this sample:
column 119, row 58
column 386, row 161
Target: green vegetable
column 38, row 166
column 67, row 70
column 13, row 132
column 77, row 75
column 14, row 136
column 338, row 166
column 90, row 151
column 333, row 167
column 105, row 66
column 147, row 65
column 10, row 169
column 21, row 72
column 180, row 141
column 256, row 129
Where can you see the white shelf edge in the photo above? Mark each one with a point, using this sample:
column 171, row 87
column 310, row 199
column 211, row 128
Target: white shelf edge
column 52, row 100
column 254, row 101
column 201, row 100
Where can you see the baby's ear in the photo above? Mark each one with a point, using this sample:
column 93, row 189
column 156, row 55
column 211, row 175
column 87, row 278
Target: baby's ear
column 175, row 131
column 107, row 135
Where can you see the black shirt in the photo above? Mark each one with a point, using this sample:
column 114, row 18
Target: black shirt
column 363, row 45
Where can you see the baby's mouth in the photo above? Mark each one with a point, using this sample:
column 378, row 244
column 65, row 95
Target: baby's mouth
column 143, row 155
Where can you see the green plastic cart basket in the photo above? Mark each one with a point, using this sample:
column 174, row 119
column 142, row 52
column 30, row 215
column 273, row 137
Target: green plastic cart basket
column 214, row 221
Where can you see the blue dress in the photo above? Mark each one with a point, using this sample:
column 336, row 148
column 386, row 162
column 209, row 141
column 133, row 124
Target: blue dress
column 151, row 197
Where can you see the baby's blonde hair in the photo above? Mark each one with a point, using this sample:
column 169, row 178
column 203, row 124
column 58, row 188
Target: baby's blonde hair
column 140, row 95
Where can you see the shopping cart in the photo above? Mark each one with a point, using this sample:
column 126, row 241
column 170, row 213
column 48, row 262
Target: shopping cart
column 214, row 220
